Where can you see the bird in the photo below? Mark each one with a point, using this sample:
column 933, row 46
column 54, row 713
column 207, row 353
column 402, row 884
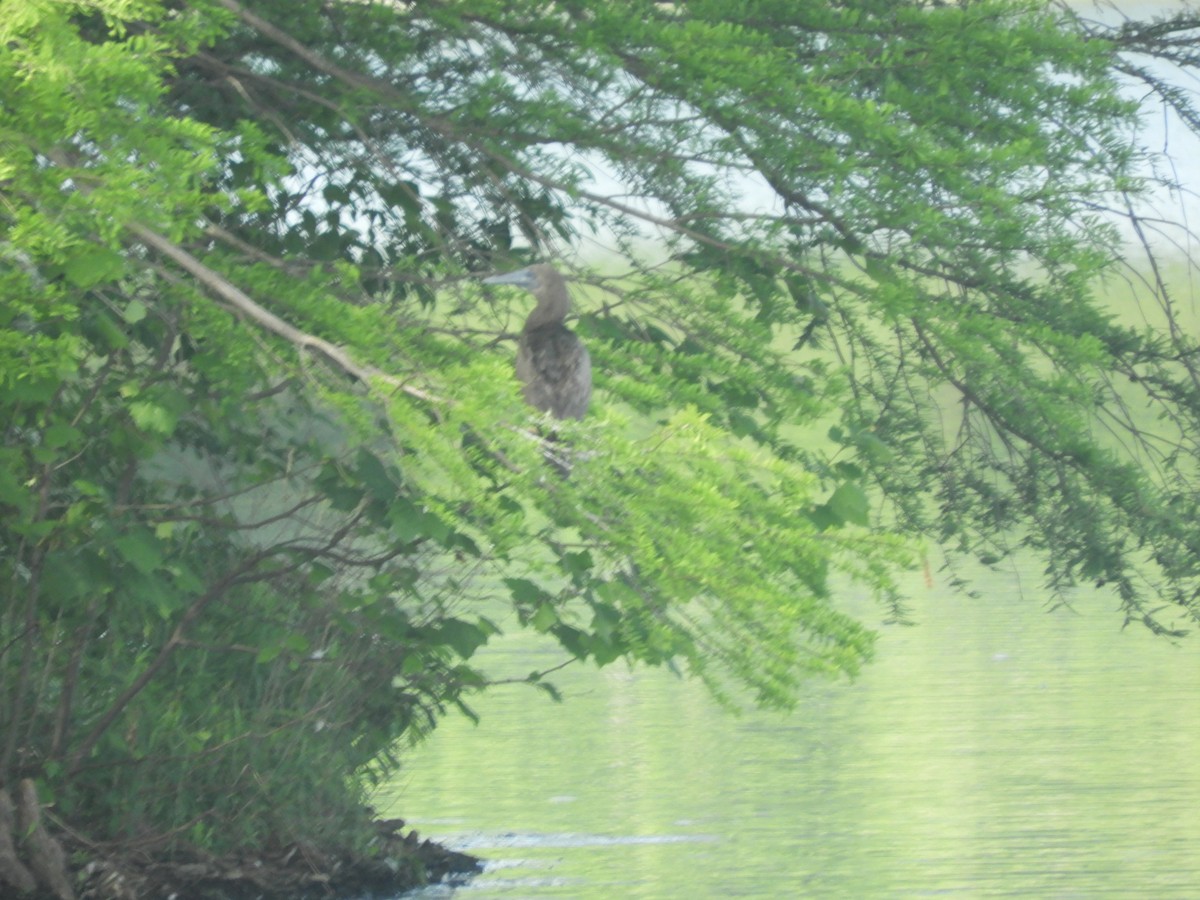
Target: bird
column 552, row 365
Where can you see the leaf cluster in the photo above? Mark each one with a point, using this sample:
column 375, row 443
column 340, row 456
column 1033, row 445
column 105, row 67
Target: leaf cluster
column 268, row 485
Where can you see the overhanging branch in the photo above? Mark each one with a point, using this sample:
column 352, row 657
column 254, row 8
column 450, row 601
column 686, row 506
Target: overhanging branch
column 242, row 302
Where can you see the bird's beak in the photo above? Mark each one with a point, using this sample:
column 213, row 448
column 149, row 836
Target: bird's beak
column 522, row 278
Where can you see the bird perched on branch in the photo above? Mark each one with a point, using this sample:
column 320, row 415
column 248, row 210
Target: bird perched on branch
column 552, row 363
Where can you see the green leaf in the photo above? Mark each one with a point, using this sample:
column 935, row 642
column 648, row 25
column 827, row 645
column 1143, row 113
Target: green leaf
column 91, row 265
column 61, row 435
column 153, row 417
column 406, row 521
column 605, row 620
column 544, row 618
column 874, row 449
column 849, row 503
column 135, row 311
column 140, row 550
column 379, row 478
column 548, row 689
column 463, row 637
column 269, row 652
column 108, row 333
column 573, row 640
column 578, row 565
column 605, row 651
column 525, row 593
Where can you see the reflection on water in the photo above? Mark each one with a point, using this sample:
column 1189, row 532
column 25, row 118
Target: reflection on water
column 997, row 749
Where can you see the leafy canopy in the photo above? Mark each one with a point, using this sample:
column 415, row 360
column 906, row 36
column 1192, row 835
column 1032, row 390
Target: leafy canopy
column 266, row 470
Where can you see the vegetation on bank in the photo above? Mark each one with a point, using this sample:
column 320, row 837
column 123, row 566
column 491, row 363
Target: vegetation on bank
column 267, row 481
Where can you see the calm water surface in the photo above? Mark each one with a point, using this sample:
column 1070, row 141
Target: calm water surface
column 997, row 749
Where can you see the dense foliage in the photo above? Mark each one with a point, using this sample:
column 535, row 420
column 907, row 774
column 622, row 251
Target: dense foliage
column 267, row 481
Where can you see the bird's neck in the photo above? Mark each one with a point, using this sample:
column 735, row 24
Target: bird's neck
column 549, row 311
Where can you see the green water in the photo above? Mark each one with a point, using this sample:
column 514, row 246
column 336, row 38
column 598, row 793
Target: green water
column 998, row 749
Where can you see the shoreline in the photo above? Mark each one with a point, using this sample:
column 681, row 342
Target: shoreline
column 398, row 862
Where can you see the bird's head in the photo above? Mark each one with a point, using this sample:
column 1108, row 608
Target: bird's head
column 546, row 284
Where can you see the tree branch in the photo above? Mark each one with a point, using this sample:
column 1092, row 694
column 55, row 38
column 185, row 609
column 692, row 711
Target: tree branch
column 241, row 301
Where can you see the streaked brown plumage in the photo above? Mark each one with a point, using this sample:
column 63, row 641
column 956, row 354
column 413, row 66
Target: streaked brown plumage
column 552, row 363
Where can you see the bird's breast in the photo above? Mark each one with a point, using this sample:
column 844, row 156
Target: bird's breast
column 556, row 371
